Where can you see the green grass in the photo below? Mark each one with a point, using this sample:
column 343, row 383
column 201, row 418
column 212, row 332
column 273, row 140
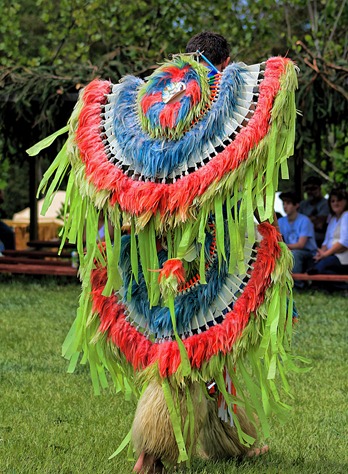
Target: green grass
column 51, row 422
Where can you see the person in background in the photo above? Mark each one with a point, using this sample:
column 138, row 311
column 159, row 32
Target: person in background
column 332, row 257
column 101, row 228
column 298, row 234
column 315, row 207
column 7, row 235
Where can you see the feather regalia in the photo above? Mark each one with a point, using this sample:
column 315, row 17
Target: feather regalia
column 195, row 291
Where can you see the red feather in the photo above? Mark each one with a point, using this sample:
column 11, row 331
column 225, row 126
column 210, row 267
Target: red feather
column 139, row 197
column 149, row 100
column 141, row 352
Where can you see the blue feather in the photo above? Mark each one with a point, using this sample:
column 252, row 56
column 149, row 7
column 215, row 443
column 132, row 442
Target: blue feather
column 186, row 304
column 152, row 157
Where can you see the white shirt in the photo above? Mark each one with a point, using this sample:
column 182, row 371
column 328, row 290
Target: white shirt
column 337, row 231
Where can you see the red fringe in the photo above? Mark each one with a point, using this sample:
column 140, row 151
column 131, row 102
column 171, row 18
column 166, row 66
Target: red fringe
column 173, row 267
column 138, row 197
column 140, row 352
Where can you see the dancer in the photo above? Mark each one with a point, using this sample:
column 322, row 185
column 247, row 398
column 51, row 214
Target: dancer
column 190, row 312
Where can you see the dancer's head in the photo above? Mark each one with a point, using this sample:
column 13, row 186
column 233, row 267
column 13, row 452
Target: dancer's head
column 214, row 47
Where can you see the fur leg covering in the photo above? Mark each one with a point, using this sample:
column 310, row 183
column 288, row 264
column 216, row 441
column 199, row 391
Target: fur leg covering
column 218, row 439
column 152, row 430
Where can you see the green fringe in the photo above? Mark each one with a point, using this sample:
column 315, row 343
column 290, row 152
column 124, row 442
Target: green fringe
column 259, row 175
column 174, row 413
column 259, row 358
column 85, row 339
column 262, row 354
column 46, row 142
column 256, row 193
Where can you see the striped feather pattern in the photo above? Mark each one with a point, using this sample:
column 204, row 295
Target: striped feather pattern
column 124, row 325
column 145, row 158
column 196, row 308
column 138, row 197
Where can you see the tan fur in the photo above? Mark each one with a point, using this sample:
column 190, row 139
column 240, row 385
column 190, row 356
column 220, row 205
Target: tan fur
column 219, row 440
column 153, row 434
column 152, row 430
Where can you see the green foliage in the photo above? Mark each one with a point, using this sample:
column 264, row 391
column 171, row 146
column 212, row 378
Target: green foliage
column 50, row 50
column 336, row 150
column 50, row 421
column 322, row 57
column 127, row 36
column 4, row 167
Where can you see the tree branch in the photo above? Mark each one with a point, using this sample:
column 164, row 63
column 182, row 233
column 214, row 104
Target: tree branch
column 61, row 44
column 336, row 22
column 287, row 21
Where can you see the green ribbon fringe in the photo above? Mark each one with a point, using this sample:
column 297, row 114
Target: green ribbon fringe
column 259, row 175
column 262, row 353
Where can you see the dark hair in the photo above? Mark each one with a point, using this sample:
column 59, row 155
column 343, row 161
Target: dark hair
column 313, row 180
column 340, row 194
column 290, row 196
column 214, row 46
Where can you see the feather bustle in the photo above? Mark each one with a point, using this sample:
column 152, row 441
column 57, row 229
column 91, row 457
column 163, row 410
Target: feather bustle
column 141, row 352
column 176, row 197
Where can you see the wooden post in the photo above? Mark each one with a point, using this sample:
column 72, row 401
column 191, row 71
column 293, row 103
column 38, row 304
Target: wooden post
column 33, row 184
column 298, row 173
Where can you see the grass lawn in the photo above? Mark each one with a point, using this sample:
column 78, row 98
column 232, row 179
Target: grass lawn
column 51, row 422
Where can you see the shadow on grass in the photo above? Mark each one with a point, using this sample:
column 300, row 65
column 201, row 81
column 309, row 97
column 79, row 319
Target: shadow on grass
column 266, row 464
column 48, row 281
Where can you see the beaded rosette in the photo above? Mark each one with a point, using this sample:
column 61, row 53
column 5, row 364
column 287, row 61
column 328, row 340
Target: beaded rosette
column 195, row 288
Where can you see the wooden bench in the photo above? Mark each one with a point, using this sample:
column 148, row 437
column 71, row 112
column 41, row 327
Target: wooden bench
column 319, row 277
column 35, row 261
column 38, row 262
column 37, row 254
column 55, row 243
column 38, row 269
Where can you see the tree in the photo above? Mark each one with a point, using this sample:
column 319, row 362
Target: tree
column 322, row 56
column 50, row 50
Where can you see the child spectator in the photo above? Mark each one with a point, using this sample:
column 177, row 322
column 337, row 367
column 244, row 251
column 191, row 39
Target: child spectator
column 298, row 234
